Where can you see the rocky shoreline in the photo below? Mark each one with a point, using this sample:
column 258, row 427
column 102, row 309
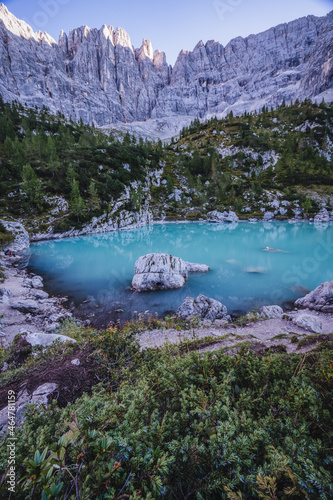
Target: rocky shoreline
column 25, row 306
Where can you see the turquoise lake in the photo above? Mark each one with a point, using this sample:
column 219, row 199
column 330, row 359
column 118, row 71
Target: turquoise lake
column 97, row 270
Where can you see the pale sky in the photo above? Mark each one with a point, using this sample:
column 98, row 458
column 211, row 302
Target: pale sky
column 171, row 25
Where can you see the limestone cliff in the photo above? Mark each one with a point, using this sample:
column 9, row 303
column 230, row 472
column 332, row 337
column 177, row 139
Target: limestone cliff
column 98, row 76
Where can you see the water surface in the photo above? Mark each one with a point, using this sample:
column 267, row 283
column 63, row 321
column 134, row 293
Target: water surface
column 98, row 269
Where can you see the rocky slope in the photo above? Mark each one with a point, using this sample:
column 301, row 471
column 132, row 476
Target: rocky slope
column 98, row 76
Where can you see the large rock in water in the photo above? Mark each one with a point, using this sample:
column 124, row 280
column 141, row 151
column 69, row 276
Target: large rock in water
column 320, row 299
column 204, row 307
column 161, row 271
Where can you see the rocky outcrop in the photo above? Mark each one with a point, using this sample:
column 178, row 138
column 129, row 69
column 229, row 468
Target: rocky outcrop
column 204, row 308
column 322, row 217
column 98, row 76
column 21, row 237
column 39, row 397
column 221, row 217
column 268, row 216
column 320, row 299
column 160, row 271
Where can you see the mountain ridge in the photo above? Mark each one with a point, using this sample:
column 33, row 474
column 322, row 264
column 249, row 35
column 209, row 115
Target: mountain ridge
column 99, row 77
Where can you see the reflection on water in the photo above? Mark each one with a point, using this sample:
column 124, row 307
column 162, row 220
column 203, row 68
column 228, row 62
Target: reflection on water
column 98, row 269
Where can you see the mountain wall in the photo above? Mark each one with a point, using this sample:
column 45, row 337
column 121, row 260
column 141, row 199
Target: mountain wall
column 98, row 76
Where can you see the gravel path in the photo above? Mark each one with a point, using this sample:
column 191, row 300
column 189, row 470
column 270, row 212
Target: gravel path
column 268, row 333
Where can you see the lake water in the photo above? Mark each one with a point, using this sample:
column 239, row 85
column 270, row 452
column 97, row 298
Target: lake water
column 98, row 269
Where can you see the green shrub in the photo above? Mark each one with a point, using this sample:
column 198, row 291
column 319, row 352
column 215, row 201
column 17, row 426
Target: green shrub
column 184, row 426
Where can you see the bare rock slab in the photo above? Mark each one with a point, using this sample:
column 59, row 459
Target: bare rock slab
column 159, row 271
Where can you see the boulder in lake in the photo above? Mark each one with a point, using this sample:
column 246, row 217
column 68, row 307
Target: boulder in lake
column 271, row 312
column 204, row 307
column 160, row 271
column 320, row 299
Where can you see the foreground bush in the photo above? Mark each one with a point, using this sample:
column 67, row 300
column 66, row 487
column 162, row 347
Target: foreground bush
column 185, row 426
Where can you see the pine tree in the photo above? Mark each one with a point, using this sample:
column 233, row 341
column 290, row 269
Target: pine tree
column 77, row 204
column 32, row 188
column 94, row 201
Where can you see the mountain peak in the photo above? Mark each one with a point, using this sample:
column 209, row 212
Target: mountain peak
column 20, row 28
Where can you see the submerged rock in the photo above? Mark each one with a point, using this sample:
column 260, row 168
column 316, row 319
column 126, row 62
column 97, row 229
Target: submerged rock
column 320, row 299
column 160, row 271
column 204, row 307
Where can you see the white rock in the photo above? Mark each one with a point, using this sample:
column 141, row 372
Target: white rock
column 21, row 237
column 268, row 216
column 271, row 312
column 308, row 322
column 158, row 271
column 221, row 217
column 322, row 216
column 25, row 305
column 320, row 299
column 45, row 339
column 204, row 307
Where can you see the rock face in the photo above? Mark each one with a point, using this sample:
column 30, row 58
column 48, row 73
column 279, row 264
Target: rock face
column 320, row 299
column 160, row 271
column 204, row 307
column 21, row 237
column 98, row 76
column 23, row 398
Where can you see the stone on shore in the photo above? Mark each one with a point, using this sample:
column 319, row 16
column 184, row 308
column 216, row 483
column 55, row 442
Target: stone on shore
column 44, row 339
column 204, row 307
column 26, row 306
column 271, row 312
column 320, row 299
column 322, row 217
column 221, row 217
column 308, row 322
column 159, row 271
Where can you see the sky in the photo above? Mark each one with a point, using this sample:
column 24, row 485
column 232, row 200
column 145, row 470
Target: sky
column 171, row 25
